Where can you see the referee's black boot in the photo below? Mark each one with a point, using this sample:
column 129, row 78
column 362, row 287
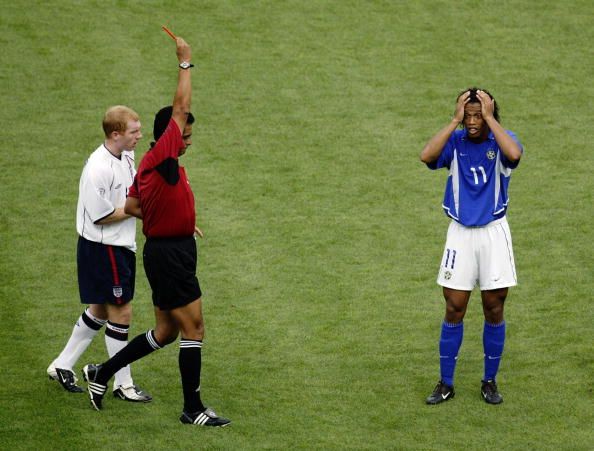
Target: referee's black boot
column 206, row 418
column 96, row 389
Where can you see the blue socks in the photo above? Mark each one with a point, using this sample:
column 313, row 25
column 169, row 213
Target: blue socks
column 493, row 341
column 451, row 340
column 449, row 345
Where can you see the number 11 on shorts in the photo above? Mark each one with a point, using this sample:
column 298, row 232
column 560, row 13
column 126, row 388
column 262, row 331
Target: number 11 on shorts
column 450, row 253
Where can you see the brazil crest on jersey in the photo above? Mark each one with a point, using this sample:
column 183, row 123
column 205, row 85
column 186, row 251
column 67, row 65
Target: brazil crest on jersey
column 479, row 173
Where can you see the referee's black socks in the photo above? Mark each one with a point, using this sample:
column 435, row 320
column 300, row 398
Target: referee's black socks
column 139, row 347
column 190, row 364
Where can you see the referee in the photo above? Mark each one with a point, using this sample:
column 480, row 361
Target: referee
column 161, row 196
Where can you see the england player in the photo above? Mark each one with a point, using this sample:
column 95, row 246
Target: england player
column 480, row 159
column 106, row 249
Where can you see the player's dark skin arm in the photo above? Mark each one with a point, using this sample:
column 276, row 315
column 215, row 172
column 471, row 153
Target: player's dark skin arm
column 434, row 147
column 508, row 146
column 132, row 207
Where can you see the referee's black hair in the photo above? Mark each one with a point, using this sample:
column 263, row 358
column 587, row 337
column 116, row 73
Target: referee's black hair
column 475, row 99
column 162, row 119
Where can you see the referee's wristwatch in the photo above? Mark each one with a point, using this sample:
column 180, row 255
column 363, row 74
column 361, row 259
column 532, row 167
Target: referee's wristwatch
column 185, row 65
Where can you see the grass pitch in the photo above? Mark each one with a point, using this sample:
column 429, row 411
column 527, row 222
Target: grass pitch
column 323, row 230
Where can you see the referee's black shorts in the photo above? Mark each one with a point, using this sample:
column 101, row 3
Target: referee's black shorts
column 106, row 274
column 170, row 267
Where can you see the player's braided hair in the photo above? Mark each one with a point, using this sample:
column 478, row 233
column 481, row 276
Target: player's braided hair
column 474, row 99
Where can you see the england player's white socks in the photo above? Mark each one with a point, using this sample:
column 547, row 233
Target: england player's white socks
column 116, row 339
column 84, row 331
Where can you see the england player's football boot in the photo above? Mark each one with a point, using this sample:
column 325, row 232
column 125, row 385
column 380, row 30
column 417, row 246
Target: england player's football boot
column 132, row 393
column 490, row 393
column 66, row 378
column 441, row 393
column 206, row 418
column 96, row 389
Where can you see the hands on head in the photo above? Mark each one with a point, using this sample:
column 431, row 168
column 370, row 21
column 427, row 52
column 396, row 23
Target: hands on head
column 487, row 104
column 460, row 104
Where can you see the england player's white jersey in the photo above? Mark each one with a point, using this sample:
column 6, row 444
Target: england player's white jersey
column 103, row 187
column 479, row 174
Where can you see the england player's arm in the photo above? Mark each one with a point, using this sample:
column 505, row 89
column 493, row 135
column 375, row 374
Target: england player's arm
column 99, row 207
column 132, row 206
column 434, row 147
column 508, row 146
column 118, row 215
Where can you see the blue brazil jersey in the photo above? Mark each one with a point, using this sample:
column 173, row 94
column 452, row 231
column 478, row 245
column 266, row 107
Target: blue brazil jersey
column 476, row 189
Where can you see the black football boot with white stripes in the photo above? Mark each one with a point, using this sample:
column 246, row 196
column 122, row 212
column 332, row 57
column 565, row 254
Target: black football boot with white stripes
column 96, row 389
column 206, row 418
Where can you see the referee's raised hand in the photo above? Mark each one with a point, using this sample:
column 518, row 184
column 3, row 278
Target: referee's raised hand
column 183, row 50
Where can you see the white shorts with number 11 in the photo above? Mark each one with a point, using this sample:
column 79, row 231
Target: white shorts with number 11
column 482, row 255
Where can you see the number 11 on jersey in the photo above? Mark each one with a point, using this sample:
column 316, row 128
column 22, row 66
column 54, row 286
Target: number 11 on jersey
column 474, row 173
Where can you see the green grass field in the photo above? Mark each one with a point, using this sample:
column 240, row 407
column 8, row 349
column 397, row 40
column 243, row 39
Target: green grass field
column 323, row 229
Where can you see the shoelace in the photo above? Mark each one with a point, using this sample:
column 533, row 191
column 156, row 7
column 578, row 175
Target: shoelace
column 438, row 388
column 490, row 387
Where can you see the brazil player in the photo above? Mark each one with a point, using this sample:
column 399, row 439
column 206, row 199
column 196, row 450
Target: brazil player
column 106, row 258
column 480, row 159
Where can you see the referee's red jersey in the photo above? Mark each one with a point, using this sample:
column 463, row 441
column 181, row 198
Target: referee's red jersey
column 161, row 185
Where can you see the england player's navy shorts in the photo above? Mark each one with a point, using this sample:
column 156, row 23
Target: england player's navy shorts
column 106, row 274
column 170, row 267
